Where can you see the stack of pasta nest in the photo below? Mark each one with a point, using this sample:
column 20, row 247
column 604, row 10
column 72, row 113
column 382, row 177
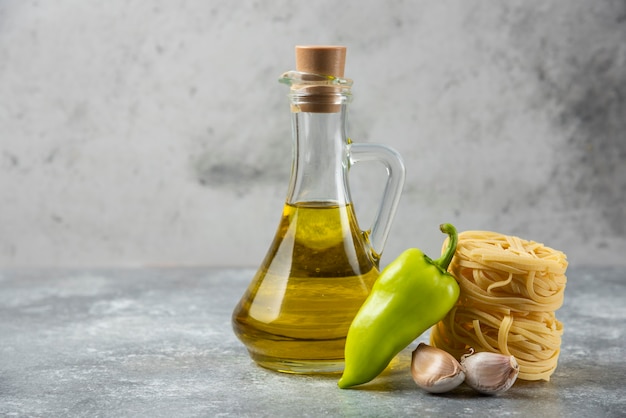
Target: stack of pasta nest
column 510, row 290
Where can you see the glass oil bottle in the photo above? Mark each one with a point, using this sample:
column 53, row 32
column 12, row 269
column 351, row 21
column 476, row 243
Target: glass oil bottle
column 295, row 314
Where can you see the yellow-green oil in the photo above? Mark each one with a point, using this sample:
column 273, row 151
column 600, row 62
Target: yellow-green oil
column 295, row 315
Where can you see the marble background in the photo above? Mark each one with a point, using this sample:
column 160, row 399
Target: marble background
column 155, row 132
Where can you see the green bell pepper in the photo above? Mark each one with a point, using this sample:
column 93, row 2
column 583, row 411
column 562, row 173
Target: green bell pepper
column 411, row 294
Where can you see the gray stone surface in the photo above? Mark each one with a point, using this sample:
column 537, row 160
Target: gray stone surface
column 158, row 342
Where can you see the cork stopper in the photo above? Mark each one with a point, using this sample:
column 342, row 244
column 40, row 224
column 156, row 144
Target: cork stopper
column 325, row 60
column 321, row 59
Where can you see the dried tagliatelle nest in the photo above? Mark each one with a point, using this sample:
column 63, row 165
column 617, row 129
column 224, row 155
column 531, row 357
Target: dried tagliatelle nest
column 510, row 290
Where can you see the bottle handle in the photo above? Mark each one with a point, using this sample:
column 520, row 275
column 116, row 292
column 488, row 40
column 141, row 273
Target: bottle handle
column 391, row 159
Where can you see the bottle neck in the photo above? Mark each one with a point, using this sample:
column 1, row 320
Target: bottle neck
column 320, row 158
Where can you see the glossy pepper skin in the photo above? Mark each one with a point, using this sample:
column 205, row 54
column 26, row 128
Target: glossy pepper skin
column 411, row 294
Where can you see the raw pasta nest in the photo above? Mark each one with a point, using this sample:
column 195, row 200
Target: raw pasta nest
column 510, row 290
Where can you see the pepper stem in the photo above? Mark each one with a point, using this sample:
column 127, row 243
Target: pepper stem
column 446, row 258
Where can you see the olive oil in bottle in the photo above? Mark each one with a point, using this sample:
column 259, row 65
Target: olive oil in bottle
column 296, row 312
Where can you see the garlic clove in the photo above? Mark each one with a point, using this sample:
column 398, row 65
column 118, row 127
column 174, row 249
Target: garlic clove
column 490, row 373
column 435, row 370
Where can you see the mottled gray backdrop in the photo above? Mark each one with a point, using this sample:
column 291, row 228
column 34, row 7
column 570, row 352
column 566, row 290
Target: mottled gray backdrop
column 155, row 132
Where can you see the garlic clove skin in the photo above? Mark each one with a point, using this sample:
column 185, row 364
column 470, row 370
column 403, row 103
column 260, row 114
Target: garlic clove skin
column 490, row 373
column 435, row 370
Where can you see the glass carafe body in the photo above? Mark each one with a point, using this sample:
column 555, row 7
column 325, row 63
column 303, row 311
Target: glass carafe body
column 295, row 314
